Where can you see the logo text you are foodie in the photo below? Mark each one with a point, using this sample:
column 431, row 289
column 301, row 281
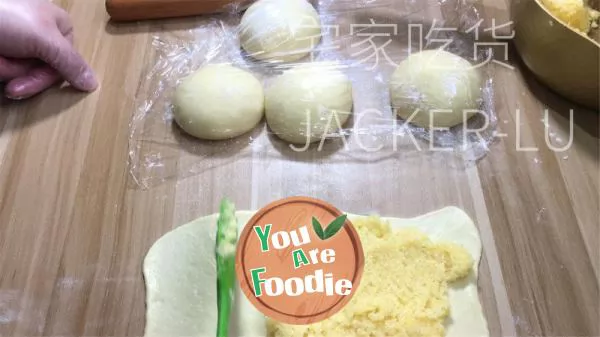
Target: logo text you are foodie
column 264, row 283
column 299, row 260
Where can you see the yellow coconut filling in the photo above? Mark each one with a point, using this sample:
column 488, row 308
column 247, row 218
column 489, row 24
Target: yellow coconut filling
column 574, row 13
column 404, row 288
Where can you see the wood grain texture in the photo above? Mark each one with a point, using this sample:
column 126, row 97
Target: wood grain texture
column 74, row 228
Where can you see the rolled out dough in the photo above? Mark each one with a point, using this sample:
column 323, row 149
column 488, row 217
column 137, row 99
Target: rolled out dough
column 180, row 274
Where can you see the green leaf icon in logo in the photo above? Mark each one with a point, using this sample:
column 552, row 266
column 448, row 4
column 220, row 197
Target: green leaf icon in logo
column 318, row 229
column 332, row 229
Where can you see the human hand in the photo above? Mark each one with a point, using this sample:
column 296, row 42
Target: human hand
column 36, row 49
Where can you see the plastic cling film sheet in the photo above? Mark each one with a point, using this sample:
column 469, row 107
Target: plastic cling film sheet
column 366, row 40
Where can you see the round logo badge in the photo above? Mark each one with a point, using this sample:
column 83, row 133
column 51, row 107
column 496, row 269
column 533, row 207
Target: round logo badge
column 299, row 260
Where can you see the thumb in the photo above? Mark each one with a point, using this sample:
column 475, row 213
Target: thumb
column 59, row 54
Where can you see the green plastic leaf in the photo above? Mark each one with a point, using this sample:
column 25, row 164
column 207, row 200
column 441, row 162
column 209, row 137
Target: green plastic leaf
column 318, row 228
column 335, row 226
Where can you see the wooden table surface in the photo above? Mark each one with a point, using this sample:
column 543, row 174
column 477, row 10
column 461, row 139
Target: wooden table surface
column 74, row 228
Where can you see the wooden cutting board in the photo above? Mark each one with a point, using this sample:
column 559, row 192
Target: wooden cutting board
column 132, row 10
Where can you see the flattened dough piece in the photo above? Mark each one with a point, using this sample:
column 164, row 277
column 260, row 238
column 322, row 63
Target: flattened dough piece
column 453, row 225
column 181, row 282
column 180, row 273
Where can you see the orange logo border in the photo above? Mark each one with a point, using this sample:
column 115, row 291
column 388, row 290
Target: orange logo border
column 245, row 283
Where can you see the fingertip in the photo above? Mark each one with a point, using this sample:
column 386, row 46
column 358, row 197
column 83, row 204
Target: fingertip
column 32, row 84
column 62, row 56
column 16, row 97
column 18, row 91
column 86, row 81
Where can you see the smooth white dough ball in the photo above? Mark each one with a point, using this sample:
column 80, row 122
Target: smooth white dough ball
column 219, row 102
column 280, row 30
column 435, row 80
column 307, row 103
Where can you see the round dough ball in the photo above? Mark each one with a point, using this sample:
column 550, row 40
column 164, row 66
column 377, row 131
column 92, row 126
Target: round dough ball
column 219, row 102
column 280, row 30
column 315, row 93
column 435, row 80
